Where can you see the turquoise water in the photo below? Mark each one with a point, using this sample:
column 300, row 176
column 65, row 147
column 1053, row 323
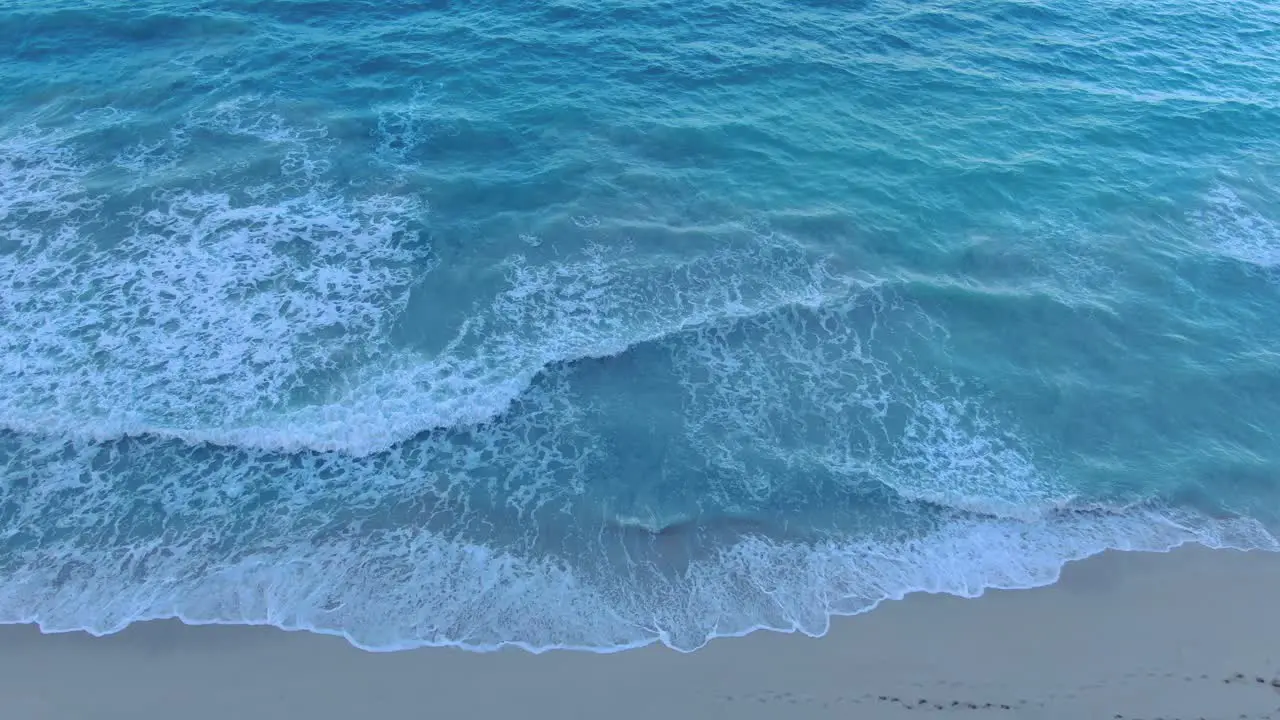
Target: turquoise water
column 592, row 325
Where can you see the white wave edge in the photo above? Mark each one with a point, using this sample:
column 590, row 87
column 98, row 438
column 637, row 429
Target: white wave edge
column 1150, row 531
column 327, row 427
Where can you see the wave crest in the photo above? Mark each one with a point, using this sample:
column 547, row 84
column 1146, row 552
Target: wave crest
column 265, row 319
column 328, row 564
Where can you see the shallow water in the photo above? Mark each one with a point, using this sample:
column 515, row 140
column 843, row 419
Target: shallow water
column 598, row 324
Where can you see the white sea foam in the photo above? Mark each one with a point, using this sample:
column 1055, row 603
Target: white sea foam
column 206, row 311
column 1239, row 230
column 815, row 391
column 39, row 181
column 406, row 130
column 219, row 555
column 486, row 538
column 594, row 306
column 262, row 320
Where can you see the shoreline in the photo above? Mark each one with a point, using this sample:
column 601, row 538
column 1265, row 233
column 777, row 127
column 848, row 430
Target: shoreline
column 1192, row 633
column 754, row 586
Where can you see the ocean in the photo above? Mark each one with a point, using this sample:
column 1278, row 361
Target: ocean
column 597, row 324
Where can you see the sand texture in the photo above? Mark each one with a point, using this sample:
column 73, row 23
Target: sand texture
column 1189, row 634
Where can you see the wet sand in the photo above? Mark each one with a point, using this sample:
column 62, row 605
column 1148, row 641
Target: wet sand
column 1189, row 634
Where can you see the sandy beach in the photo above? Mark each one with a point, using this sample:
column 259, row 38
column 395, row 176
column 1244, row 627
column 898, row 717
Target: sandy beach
column 1189, row 634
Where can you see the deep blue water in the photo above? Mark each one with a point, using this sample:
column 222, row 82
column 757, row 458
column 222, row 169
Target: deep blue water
column 590, row 324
